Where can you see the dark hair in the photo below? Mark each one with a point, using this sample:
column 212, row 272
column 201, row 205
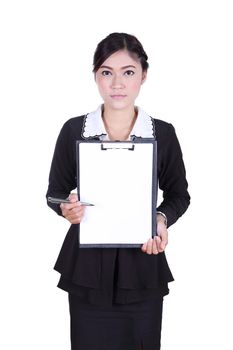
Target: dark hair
column 119, row 41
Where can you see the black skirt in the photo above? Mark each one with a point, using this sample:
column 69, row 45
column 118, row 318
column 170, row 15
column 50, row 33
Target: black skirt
column 133, row 326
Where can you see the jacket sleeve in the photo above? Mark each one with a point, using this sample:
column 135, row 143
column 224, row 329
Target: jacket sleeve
column 172, row 177
column 62, row 176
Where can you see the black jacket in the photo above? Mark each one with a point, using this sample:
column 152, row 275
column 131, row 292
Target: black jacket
column 102, row 275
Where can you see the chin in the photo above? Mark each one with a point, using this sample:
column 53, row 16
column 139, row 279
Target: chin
column 118, row 105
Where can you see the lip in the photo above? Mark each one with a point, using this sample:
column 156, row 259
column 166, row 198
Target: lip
column 118, row 97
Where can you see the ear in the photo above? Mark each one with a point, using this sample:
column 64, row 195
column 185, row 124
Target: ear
column 144, row 75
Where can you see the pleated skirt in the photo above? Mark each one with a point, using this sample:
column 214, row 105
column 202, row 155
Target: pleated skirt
column 135, row 326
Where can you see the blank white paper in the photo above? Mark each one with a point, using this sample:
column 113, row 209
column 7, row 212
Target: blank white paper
column 119, row 184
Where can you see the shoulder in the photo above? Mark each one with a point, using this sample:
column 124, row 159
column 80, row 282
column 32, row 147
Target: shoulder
column 162, row 126
column 163, row 129
column 73, row 127
column 166, row 137
column 74, row 122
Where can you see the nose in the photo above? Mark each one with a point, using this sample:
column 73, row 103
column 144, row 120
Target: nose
column 117, row 81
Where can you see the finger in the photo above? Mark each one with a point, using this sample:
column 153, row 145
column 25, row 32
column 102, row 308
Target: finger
column 63, row 209
column 71, row 214
column 76, row 212
column 68, row 206
column 74, row 219
column 154, row 247
column 161, row 244
column 144, row 247
column 158, row 243
column 79, row 209
column 149, row 246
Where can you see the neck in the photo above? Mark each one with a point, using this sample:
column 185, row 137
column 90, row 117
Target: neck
column 118, row 116
column 119, row 123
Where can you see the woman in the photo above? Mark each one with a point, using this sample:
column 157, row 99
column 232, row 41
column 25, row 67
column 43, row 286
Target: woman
column 116, row 294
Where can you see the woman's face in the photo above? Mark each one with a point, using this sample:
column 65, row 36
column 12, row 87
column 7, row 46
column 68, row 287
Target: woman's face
column 119, row 80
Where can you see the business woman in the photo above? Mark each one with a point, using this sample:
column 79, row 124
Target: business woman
column 116, row 294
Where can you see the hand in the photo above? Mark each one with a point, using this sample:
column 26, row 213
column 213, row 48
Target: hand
column 73, row 211
column 158, row 243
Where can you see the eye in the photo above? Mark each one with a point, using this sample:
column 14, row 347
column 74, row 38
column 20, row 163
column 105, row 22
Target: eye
column 105, row 72
column 129, row 72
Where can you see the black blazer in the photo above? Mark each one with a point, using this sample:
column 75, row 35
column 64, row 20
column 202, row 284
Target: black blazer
column 122, row 274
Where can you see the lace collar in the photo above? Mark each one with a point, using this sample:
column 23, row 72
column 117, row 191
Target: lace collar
column 94, row 125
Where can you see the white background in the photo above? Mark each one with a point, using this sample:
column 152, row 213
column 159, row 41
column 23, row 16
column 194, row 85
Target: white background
column 46, row 61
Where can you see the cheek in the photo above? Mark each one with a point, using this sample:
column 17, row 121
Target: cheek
column 102, row 86
column 135, row 86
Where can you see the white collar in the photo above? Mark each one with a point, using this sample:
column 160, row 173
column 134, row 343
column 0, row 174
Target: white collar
column 94, row 125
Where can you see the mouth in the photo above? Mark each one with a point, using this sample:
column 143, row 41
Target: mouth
column 118, row 97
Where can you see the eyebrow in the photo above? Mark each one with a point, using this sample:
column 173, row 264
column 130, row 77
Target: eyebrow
column 130, row 66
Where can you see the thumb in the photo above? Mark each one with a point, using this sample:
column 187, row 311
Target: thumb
column 73, row 197
column 163, row 241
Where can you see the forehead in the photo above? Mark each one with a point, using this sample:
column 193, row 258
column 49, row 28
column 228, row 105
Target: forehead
column 120, row 59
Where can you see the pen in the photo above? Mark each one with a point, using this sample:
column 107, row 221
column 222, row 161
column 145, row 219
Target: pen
column 60, row 200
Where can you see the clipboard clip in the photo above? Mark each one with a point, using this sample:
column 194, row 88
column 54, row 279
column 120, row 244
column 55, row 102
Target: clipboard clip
column 117, row 145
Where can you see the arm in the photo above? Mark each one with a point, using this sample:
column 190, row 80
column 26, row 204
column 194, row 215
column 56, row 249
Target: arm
column 62, row 176
column 173, row 183
column 172, row 178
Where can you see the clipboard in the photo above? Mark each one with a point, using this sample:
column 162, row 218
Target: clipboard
column 120, row 179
